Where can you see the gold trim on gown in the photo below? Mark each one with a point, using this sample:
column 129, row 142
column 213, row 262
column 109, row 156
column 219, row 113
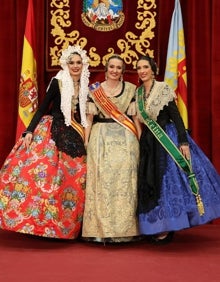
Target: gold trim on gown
column 111, row 184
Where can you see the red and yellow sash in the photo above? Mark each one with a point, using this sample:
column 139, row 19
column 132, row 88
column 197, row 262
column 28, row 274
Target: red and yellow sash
column 79, row 128
column 110, row 108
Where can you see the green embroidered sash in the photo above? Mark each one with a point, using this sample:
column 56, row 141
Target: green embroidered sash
column 171, row 149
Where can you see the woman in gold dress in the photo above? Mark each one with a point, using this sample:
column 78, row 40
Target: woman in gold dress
column 112, row 159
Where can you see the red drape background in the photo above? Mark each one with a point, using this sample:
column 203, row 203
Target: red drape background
column 134, row 31
column 201, row 29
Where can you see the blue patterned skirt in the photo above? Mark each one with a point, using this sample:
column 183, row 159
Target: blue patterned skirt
column 177, row 208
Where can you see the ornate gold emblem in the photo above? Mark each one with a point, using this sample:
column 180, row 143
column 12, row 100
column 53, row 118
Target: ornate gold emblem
column 103, row 15
column 130, row 44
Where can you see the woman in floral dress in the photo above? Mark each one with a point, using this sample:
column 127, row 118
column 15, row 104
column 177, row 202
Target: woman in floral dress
column 42, row 181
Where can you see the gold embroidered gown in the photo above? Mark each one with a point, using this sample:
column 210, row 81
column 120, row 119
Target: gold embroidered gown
column 111, row 184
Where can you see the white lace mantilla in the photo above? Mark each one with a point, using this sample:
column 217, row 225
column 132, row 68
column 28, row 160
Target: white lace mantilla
column 67, row 88
column 161, row 94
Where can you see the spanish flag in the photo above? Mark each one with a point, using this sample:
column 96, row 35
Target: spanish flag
column 28, row 91
column 175, row 72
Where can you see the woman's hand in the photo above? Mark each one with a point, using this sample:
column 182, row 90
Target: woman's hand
column 27, row 139
column 138, row 126
column 184, row 149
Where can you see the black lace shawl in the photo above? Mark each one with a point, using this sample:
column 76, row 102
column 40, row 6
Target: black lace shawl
column 66, row 138
column 153, row 158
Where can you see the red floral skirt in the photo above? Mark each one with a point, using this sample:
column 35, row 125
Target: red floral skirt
column 42, row 189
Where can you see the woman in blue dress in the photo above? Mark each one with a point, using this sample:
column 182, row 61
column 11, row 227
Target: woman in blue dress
column 178, row 187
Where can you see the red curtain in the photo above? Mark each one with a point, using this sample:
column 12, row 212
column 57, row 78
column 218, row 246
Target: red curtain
column 201, row 29
column 12, row 22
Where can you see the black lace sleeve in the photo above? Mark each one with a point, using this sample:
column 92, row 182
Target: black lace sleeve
column 52, row 92
column 176, row 118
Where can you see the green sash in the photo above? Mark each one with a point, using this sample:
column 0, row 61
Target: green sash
column 172, row 150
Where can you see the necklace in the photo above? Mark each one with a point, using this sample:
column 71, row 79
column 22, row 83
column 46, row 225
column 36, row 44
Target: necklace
column 75, row 84
column 146, row 95
column 111, row 91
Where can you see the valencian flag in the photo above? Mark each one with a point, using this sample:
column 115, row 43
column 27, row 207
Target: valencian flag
column 28, row 97
column 175, row 73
